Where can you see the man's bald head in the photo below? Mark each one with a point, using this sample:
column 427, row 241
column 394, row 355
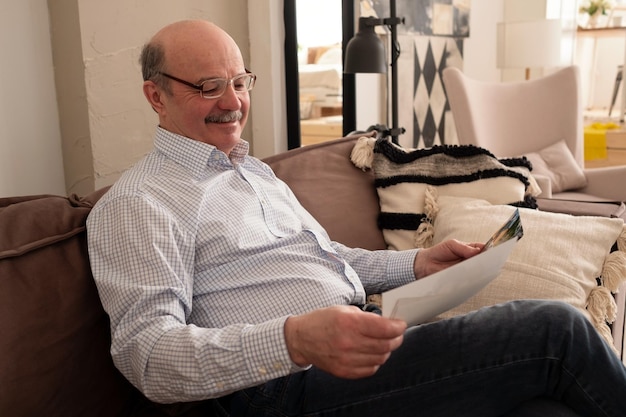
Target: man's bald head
column 180, row 42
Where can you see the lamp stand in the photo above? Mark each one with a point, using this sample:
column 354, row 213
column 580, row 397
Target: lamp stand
column 395, row 54
column 365, row 53
column 395, row 131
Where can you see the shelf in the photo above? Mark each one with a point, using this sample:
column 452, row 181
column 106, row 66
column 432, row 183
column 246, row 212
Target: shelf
column 600, row 32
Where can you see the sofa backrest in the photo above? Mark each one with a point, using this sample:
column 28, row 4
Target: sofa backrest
column 54, row 334
column 339, row 195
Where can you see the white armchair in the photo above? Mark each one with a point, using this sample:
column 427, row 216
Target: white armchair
column 519, row 118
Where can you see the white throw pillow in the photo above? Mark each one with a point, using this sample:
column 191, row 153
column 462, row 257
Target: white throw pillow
column 559, row 257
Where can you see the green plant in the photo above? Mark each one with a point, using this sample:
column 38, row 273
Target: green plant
column 593, row 7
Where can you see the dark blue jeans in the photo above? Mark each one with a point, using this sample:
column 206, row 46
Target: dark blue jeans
column 483, row 364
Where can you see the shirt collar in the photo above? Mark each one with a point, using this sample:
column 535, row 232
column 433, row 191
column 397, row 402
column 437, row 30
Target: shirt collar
column 193, row 154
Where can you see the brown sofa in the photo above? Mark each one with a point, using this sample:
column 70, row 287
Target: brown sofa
column 54, row 334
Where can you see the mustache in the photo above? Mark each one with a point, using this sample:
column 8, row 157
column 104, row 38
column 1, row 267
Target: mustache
column 227, row 117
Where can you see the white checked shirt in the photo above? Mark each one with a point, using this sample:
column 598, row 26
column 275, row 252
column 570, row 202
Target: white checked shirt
column 200, row 258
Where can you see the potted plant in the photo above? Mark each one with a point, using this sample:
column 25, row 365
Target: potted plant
column 593, row 9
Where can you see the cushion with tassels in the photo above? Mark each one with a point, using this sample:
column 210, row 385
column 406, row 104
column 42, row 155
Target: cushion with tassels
column 403, row 177
column 580, row 260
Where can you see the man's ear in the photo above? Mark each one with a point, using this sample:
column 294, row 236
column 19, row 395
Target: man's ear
column 153, row 94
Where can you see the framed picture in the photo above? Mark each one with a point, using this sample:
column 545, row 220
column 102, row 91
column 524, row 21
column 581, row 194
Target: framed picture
column 429, row 17
column 430, row 40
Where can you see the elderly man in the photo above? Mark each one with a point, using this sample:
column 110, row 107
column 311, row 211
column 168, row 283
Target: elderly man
column 220, row 285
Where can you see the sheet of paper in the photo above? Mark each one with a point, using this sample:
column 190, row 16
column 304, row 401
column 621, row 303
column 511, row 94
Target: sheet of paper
column 422, row 300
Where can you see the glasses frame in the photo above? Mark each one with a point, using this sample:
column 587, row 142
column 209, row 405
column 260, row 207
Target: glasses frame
column 199, row 87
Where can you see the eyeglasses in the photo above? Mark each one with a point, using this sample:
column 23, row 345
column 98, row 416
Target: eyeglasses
column 215, row 87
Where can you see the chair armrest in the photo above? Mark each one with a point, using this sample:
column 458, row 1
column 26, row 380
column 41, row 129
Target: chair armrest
column 606, row 182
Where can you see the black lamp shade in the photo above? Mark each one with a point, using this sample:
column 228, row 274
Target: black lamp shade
column 365, row 51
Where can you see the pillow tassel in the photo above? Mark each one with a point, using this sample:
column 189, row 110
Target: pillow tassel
column 614, row 270
column 424, row 235
column 431, row 206
column 362, row 155
column 603, row 309
column 425, row 231
column 601, row 305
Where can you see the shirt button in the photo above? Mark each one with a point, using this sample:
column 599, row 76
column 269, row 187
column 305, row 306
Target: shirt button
column 263, row 370
column 278, row 366
column 219, row 385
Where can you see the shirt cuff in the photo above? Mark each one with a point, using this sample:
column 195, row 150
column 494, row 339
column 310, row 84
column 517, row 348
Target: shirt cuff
column 400, row 267
column 265, row 347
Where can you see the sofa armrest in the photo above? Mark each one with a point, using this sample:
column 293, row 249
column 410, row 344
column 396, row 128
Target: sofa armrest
column 49, row 362
column 606, row 182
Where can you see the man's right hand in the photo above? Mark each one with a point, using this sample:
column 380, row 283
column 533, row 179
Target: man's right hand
column 343, row 340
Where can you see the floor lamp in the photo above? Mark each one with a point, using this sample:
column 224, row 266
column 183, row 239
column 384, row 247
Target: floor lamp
column 529, row 44
column 365, row 53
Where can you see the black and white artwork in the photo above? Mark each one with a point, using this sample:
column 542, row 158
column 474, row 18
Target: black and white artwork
column 429, row 17
column 430, row 40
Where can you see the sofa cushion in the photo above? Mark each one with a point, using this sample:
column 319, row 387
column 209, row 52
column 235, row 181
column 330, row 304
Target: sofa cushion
column 559, row 257
column 339, row 195
column 54, row 348
column 404, row 176
column 557, row 163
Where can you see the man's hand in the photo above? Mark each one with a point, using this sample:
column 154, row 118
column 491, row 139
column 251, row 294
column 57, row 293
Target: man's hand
column 343, row 340
column 442, row 255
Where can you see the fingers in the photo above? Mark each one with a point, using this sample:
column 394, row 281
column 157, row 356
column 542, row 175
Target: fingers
column 361, row 353
column 358, row 331
column 443, row 255
column 464, row 250
column 375, row 326
column 373, row 335
column 477, row 245
column 343, row 340
column 360, row 366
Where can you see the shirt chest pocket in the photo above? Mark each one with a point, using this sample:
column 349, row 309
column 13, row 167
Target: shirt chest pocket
column 247, row 223
column 279, row 218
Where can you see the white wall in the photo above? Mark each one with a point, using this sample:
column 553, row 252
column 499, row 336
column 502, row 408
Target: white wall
column 268, row 107
column 30, row 140
column 479, row 56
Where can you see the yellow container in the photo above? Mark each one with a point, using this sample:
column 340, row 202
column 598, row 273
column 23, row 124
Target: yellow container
column 595, row 144
column 595, row 140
